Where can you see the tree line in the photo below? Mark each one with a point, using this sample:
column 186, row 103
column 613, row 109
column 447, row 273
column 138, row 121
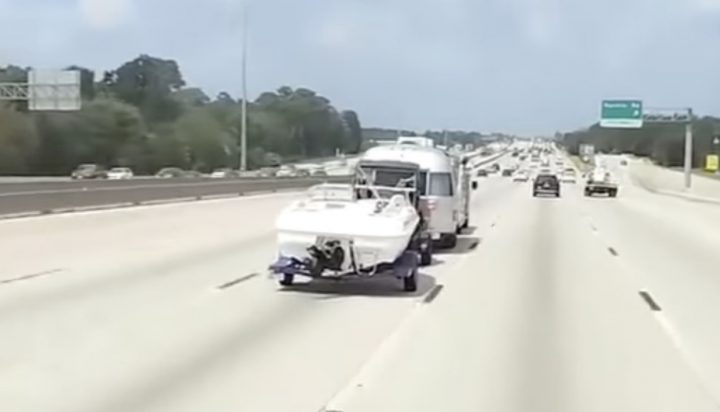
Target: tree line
column 664, row 143
column 143, row 115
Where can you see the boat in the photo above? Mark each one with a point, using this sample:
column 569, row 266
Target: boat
column 361, row 228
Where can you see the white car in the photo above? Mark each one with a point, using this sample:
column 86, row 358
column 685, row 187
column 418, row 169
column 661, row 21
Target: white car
column 286, row 171
column 568, row 176
column 120, row 173
column 521, row 176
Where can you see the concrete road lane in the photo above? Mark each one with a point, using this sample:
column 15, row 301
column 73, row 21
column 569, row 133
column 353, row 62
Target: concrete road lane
column 542, row 317
column 669, row 246
column 168, row 308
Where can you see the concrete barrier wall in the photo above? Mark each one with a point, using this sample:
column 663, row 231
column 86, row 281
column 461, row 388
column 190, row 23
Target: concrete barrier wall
column 666, row 181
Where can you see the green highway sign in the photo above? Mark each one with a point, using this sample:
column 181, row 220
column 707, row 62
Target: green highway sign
column 621, row 113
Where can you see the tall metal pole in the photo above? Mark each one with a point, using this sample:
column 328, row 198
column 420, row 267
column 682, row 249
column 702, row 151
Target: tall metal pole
column 688, row 150
column 243, row 122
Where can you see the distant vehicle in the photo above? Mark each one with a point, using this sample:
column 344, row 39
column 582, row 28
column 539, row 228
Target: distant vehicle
column 568, row 176
column 192, row 173
column 302, row 173
column 507, row 172
column 521, row 176
column 416, row 140
column 600, row 181
column 267, row 172
column 546, row 184
column 482, row 173
column 286, row 171
column 120, row 173
column 319, row 173
column 89, row 171
column 170, row 172
column 223, row 173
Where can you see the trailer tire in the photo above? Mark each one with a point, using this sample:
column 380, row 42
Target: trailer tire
column 449, row 240
column 287, row 279
column 410, row 282
column 613, row 193
column 426, row 256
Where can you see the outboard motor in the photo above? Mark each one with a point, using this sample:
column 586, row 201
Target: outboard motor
column 329, row 255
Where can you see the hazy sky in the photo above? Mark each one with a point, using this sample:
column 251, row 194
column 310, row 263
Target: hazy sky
column 524, row 66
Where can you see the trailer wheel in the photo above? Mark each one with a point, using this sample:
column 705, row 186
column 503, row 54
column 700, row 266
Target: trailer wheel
column 449, row 240
column 287, row 279
column 613, row 193
column 410, row 282
column 587, row 193
column 426, row 254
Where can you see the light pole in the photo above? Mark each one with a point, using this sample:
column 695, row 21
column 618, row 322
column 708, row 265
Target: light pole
column 716, row 143
column 688, row 150
column 243, row 121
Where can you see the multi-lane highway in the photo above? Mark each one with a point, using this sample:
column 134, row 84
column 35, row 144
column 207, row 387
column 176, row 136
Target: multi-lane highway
column 569, row 304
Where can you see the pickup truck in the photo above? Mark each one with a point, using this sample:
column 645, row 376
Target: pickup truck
column 600, row 181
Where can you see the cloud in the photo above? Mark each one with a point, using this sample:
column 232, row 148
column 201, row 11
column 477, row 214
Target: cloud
column 105, row 14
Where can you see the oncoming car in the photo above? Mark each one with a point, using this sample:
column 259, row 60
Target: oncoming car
column 521, row 176
column 120, row 173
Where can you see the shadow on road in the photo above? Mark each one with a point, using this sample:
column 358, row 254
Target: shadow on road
column 465, row 244
column 380, row 286
column 468, row 230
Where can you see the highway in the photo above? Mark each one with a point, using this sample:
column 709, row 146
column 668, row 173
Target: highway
column 539, row 308
column 52, row 197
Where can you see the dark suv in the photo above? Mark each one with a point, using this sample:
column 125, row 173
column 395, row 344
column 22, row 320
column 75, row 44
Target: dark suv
column 546, row 184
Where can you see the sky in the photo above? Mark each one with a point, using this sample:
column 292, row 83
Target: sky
column 517, row 66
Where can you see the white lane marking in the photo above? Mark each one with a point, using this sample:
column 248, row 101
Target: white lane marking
column 375, row 363
column 387, row 348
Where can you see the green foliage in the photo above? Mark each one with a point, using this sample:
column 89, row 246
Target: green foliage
column 18, row 140
column 141, row 115
column 662, row 142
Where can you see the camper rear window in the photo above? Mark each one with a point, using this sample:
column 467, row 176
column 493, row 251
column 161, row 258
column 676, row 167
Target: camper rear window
column 441, row 184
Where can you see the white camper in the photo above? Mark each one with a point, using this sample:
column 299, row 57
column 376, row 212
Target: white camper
column 444, row 190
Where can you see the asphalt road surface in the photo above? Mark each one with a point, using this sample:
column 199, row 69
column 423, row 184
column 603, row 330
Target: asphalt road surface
column 169, row 308
column 50, row 196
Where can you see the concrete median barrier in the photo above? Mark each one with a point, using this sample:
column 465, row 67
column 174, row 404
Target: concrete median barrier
column 23, row 199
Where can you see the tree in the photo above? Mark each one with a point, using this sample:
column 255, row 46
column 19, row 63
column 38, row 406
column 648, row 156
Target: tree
column 206, row 140
column 109, row 130
column 148, row 82
column 191, row 96
column 18, row 142
column 350, row 118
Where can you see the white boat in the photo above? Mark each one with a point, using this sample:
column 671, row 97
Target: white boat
column 369, row 231
column 361, row 228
